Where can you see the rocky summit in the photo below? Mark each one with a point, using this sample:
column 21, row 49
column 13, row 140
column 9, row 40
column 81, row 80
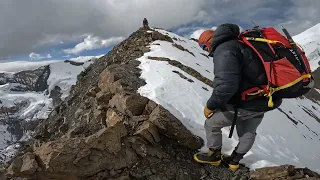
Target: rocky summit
column 106, row 130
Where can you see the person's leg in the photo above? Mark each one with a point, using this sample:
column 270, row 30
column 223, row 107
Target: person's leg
column 247, row 123
column 248, row 134
column 213, row 131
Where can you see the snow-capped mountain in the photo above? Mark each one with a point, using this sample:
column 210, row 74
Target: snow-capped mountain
column 309, row 40
column 29, row 91
column 177, row 74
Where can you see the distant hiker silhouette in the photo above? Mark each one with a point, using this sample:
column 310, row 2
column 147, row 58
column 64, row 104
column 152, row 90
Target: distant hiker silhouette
column 145, row 23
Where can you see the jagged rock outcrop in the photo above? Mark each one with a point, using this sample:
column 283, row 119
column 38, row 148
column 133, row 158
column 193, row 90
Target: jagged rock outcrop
column 106, row 130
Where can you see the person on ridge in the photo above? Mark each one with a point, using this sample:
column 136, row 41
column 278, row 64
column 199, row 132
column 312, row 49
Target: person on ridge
column 236, row 68
column 145, row 23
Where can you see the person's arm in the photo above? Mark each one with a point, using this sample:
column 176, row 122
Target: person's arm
column 227, row 71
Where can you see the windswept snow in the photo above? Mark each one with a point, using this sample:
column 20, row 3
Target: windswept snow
column 34, row 105
column 310, row 42
column 17, row 66
column 289, row 135
column 65, row 74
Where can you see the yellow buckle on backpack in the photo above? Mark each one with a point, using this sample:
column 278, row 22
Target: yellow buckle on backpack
column 273, row 90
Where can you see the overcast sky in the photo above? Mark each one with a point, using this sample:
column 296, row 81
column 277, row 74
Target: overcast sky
column 52, row 29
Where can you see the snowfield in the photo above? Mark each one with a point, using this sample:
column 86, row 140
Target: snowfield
column 288, row 135
column 38, row 104
column 309, row 40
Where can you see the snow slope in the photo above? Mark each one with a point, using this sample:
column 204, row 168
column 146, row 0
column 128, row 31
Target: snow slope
column 288, row 135
column 33, row 105
column 310, row 42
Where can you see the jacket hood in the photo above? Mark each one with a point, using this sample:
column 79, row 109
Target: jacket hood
column 223, row 33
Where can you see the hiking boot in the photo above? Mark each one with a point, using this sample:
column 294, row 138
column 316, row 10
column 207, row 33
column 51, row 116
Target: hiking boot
column 213, row 157
column 233, row 160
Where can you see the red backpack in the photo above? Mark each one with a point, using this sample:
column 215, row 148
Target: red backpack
column 286, row 65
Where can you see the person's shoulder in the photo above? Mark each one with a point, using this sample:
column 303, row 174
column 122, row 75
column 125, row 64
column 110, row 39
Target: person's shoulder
column 232, row 45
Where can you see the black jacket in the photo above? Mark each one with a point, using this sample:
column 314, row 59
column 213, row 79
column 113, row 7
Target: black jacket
column 236, row 68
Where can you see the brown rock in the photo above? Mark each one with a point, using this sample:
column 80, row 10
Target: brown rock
column 272, row 173
column 144, row 49
column 159, row 36
column 119, row 78
column 113, row 118
column 172, row 127
column 15, row 167
column 80, row 157
column 23, row 166
column 29, row 165
column 103, row 97
column 99, row 115
column 93, row 91
column 106, row 78
column 150, row 107
column 132, row 104
column 78, row 113
column 143, row 149
column 148, row 131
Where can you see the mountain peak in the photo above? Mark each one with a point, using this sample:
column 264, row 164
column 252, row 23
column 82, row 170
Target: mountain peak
column 137, row 113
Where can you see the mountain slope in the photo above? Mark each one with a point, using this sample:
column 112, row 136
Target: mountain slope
column 285, row 135
column 137, row 113
column 309, row 40
column 29, row 95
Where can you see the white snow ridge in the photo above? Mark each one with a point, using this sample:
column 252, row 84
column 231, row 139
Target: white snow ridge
column 288, row 135
column 26, row 105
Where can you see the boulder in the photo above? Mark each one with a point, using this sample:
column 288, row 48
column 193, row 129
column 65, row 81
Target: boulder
column 150, row 107
column 103, row 97
column 99, row 115
column 270, row 173
column 148, row 131
column 113, row 118
column 87, row 156
column 119, row 78
column 130, row 104
column 173, row 128
column 23, row 166
column 93, row 91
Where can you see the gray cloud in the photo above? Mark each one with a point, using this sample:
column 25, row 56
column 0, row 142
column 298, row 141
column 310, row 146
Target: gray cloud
column 34, row 25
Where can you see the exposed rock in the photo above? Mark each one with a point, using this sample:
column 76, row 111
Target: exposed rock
column 286, row 172
column 173, row 128
column 116, row 78
column 186, row 69
column 130, row 104
column 78, row 113
column 150, row 107
column 23, row 166
column 182, row 48
column 103, row 97
column 113, row 118
column 15, row 167
column 99, row 115
column 159, row 36
column 148, row 131
column 182, row 76
column 29, row 165
column 87, row 156
column 93, row 91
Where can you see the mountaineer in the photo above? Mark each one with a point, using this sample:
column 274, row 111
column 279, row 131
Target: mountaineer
column 245, row 87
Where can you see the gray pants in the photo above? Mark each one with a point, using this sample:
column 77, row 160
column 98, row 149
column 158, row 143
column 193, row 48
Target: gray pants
column 247, row 123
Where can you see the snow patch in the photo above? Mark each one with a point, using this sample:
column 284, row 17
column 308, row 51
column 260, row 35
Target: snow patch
column 288, row 135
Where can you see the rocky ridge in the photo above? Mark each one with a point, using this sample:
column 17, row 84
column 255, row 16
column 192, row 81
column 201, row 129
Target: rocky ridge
column 106, row 130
